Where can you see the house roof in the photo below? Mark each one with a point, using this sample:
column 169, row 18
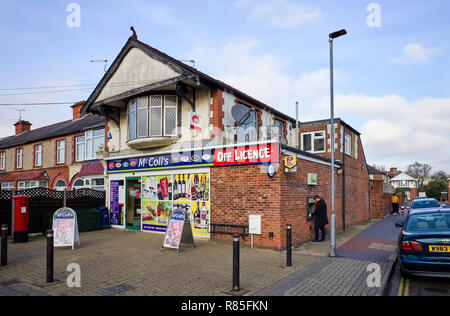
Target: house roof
column 327, row 121
column 184, row 70
column 28, row 175
column 90, row 168
column 403, row 177
column 55, row 130
column 373, row 170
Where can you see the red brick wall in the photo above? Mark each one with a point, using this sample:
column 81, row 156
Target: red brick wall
column 380, row 205
column 238, row 191
column 217, row 112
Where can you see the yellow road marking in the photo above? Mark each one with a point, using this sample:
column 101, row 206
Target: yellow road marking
column 406, row 288
column 400, row 288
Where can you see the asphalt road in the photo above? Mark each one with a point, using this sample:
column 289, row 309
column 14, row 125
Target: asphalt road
column 416, row 286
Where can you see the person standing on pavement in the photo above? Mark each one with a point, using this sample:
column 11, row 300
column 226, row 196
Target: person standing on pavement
column 320, row 218
column 395, row 204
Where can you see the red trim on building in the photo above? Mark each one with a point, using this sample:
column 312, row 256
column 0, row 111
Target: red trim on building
column 57, row 178
column 27, row 175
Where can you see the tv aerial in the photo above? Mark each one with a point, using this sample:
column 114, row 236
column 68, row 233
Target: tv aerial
column 242, row 114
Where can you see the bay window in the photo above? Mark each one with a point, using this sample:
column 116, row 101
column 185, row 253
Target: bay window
column 31, row 184
column 86, row 145
column 153, row 116
column 7, row 186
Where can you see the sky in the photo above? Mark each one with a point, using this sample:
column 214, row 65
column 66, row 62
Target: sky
column 392, row 70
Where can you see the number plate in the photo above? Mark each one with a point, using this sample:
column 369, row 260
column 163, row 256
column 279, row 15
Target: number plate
column 436, row 248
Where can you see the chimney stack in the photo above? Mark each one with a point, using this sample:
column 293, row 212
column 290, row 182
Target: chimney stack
column 76, row 109
column 22, row 126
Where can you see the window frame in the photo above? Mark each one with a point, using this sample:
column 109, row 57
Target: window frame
column 348, row 149
column 133, row 124
column 32, row 184
column 57, row 155
column 36, row 152
column 313, row 138
column 21, row 158
column 9, row 188
column 3, row 160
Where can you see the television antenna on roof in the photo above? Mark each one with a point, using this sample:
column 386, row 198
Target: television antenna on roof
column 20, row 112
column 101, row 61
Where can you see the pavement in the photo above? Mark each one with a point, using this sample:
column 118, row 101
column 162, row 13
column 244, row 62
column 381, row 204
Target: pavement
column 120, row 263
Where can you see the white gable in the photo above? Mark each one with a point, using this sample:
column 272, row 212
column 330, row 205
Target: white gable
column 136, row 70
column 403, row 177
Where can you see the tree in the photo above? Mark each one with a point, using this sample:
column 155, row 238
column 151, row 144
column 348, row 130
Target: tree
column 419, row 171
column 440, row 176
column 434, row 189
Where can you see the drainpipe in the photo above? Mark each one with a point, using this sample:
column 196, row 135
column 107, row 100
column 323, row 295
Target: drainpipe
column 343, row 181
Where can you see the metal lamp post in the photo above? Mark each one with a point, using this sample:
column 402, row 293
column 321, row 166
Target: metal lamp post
column 333, row 214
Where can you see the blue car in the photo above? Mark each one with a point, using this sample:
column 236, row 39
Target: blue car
column 424, row 244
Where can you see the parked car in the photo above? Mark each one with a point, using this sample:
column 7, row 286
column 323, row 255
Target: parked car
column 424, row 243
column 424, row 203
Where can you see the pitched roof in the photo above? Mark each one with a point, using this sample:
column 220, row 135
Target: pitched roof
column 178, row 66
column 403, row 177
column 27, row 175
column 55, row 130
column 90, row 168
column 373, row 170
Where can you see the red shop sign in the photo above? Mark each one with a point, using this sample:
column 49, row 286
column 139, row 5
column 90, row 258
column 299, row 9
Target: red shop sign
column 263, row 153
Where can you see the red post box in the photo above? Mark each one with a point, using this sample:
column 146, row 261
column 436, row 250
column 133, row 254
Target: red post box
column 21, row 213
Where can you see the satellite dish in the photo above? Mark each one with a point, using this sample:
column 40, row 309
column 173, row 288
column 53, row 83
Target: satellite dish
column 242, row 114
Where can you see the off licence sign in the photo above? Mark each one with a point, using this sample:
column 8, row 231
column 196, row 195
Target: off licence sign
column 247, row 154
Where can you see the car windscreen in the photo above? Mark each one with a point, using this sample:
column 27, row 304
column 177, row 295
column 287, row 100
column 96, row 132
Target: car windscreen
column 434, row 222
column 425, row 204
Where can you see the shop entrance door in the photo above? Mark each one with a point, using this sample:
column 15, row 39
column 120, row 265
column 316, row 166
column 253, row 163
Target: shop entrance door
column 133, row 203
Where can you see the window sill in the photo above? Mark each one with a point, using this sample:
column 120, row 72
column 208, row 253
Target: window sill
column 152, row 142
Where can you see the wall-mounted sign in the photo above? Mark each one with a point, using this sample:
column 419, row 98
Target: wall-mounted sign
column 290, row 164
column 65, row 228
column 114, row 202
column 254, row 224
column 195, row 121
column 239, row 155
column 271, row 170
column 312, row 179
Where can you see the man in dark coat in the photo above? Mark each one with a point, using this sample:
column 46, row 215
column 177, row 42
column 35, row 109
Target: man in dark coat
column 320, row 218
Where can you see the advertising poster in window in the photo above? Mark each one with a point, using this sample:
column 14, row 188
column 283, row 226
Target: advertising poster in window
column 200, row 215
column 156, row 202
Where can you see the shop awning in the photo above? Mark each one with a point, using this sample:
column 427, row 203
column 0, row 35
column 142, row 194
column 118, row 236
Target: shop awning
column 27, row 175
column 91, row 168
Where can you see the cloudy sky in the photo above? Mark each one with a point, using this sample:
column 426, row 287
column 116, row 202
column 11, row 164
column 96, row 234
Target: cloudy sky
column 392, row 69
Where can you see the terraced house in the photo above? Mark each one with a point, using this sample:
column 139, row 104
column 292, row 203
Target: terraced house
column 179, row 139
column 61, row 156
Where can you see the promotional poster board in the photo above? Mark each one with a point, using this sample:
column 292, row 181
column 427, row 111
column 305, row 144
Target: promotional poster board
column 65, row 228
column 178, row 231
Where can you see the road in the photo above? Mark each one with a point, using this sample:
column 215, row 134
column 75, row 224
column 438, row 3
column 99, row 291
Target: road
column 416, row 286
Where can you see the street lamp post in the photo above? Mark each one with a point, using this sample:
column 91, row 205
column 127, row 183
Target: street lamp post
column 332, row 134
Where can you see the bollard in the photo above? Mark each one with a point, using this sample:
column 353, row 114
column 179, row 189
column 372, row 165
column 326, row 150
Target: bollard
column 289, row 245
column 4, row 255
column 50, row 256
column 236, row 263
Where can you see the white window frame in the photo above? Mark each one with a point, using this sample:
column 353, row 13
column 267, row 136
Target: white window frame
column 7, row 186
column 313, row 138
column 89, row 141
column 38, row 155
column 348, row 144
column 162, row 123
column 60, row 148
column 19, row 158
column 80, row 143
column 60, row 188
column 3, row 160
column 22, row 185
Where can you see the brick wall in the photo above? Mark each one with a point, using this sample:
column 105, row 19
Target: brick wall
column 238, row 191
column 380, row 205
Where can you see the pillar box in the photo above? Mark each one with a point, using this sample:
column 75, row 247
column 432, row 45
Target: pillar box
column 21, row 214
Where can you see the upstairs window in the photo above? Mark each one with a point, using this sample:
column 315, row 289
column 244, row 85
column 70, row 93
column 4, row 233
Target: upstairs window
column 60, row 151
column 153, row 116
column 38, row 155
column 280, row 127
column 2, row 160
column 19, row 158
column 348, row 144
column 314, row 142
column 86, row 145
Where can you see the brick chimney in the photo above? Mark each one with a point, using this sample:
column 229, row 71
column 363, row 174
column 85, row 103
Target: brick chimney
column 76, row 109
column 22, row 126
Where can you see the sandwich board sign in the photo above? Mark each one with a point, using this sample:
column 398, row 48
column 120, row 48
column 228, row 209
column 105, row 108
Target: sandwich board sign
column 178, row 231
column 65, row 228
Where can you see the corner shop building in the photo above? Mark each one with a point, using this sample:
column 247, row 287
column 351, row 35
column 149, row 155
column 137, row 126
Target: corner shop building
column 173, row 143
